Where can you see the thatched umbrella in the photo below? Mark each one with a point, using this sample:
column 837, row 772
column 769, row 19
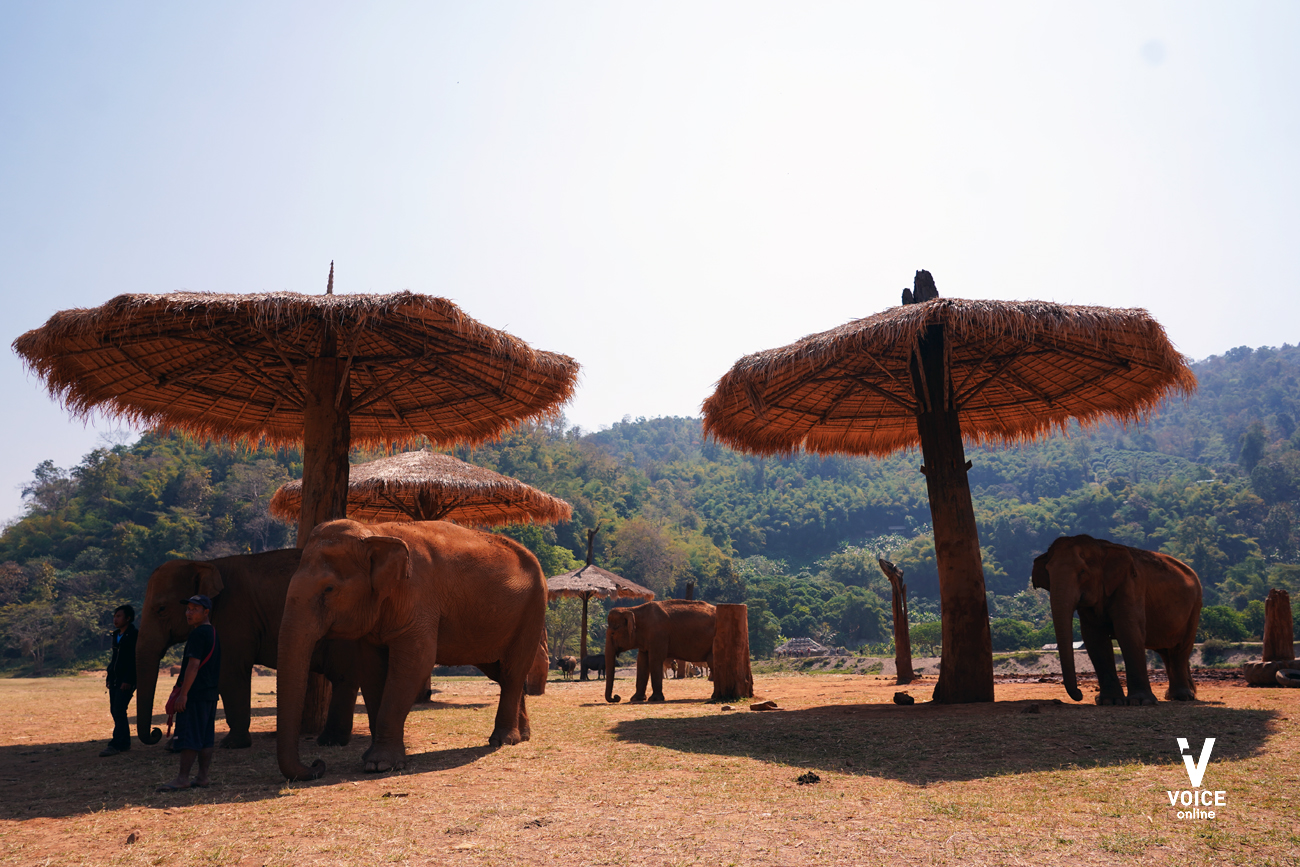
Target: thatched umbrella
column 424, row 486
column 592, row 582
column 930, row 372
column 327, row 371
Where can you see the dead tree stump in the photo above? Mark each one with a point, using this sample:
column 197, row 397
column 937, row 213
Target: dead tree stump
column 1278, row 625
column 732, row 677
column 902, row 637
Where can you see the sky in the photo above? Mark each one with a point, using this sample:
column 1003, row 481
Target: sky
column 655, row 189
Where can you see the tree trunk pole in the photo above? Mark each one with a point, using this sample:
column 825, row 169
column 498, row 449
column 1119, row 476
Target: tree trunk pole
column 902, row 634
column 1279, row 645
column 966, row 666
column 582, row 642
column 732, row 677
column 327, row 438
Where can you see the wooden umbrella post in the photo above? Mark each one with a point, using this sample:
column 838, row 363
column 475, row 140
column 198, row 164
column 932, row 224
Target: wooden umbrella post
column 732, row 676
column 327, row 438
column 902, row 634
column 966, row 664
column 582, row 641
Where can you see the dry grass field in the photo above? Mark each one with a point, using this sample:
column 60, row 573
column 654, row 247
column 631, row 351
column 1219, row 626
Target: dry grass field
column 1029, row 779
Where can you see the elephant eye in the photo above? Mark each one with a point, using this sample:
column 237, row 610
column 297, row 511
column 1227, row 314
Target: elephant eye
column 329, row 588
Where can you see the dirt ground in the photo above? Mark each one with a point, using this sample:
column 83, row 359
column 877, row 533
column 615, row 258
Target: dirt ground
column 1032, row 778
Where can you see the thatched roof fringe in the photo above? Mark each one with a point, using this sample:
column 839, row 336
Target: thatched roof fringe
column 1008, row 388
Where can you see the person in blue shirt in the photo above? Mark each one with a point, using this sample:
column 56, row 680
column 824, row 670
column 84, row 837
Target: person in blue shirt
column 121, row 679
column 196, row 702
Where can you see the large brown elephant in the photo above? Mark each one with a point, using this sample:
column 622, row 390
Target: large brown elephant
column 413, row 595
column 247, row 593
column 1143, row 599
column 658, row 631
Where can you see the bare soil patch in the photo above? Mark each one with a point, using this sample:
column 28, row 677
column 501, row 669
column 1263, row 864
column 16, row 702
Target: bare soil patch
column 1032, row 778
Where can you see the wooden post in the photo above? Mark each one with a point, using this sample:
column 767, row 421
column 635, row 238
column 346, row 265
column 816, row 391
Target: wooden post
column 732, row 677
column 582, row 641
column 1279, row 644
column 966, row 666
column 327, row 438
column 902, row 636
column 680, row 665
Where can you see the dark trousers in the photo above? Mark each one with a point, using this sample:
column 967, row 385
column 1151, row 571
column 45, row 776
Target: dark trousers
column 118, row 699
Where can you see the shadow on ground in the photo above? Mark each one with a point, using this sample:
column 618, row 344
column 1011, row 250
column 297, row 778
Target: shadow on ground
column 69, row 779
column 933, row 742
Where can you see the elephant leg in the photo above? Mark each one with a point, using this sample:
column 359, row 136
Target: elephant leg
column 1096, row 640
column 657, row 677
column 236, row 697
column 1178, row 663
column 339, row 665
column 407, row 672
column 372, row 671
column 1133, row 647
column 642, row 674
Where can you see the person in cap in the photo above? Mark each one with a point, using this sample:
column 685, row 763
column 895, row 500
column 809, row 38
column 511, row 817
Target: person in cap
column 121, row 679
column 196, row 696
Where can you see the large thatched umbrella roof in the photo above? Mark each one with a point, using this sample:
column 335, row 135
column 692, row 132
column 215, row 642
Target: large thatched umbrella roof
column 329, row 371
column 234, row 366
column 932, row 372
column 424, row 486
column 1019, row 369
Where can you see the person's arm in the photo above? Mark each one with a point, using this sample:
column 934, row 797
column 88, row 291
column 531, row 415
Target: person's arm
column 127, row 656
column 192, row 666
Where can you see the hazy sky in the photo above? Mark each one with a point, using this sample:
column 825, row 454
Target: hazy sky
column 653, row 188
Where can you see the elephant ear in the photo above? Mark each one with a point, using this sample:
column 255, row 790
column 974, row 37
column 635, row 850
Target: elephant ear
column 1040, row 577
column 631, row 629
column 390, row 564
column 208, row 580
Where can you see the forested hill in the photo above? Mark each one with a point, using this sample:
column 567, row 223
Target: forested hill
column 1214, row 480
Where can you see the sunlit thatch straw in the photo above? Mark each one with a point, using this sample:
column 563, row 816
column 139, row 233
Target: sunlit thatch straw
column 327, row 371
column 424, row 486
column 235, row 366
column 1019, row 369
column 932, row 372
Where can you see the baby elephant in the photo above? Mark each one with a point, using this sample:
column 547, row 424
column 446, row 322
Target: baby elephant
column 1143, row 599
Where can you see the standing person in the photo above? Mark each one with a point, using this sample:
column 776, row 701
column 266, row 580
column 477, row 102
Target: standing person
column 196, row 696
column 121, row 679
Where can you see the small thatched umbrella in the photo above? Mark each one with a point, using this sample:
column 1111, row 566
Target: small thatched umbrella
column 930, row 372
column 592, row 582
column 424, row 486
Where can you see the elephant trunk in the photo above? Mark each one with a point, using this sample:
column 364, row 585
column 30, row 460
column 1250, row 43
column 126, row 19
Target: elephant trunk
column 294, row 663
column 148, row 654
column 611, row 659
column 1063, row 622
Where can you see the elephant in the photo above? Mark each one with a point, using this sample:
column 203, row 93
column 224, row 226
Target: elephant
column 1143, row 599
column 412, row 595
column 247, row 593
column 658, row 631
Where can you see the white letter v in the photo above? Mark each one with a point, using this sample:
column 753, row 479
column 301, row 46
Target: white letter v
column 1195, row 771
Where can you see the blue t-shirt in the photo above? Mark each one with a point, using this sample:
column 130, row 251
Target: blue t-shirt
column 201, row 640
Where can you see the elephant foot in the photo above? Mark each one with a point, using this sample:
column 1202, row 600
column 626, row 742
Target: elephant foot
column 378, row 759
column 658, row 696
column 508, row 739
column 638, row 697
column 1142, row 698
column 236, row 741
column 1181, row 693
column 1109, row 699
column 334, row 739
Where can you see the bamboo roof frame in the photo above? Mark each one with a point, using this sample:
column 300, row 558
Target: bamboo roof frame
column 426, row 486
column 1019, row 370
column 593, row 582
column 232, row 366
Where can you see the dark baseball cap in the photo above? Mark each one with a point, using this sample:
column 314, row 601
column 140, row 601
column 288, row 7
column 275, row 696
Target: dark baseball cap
column 198, row 599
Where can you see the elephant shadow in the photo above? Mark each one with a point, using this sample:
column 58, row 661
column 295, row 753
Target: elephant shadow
column 933, row 742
